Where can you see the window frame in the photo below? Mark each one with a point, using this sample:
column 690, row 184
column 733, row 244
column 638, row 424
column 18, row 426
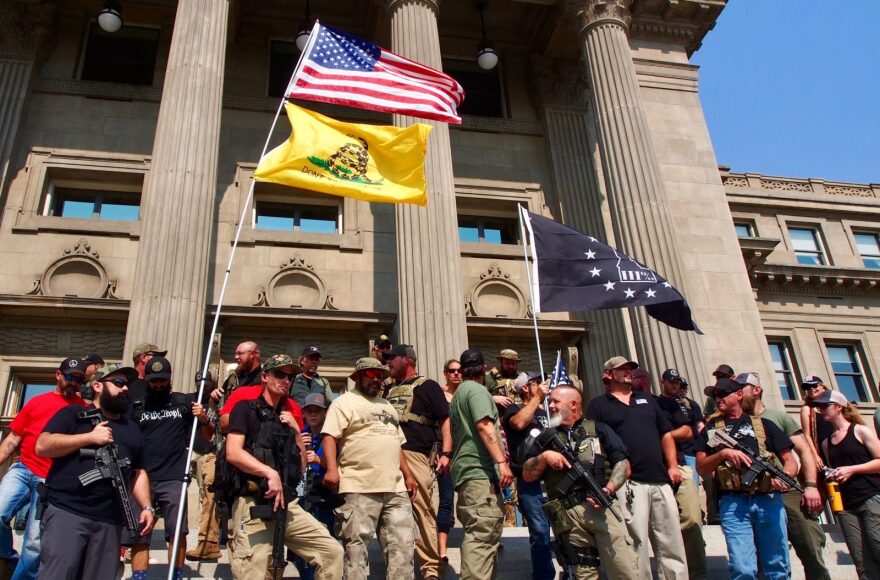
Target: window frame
column 748, row 224
column 822, row 247
column 866, row 232
column 490, row 194
column 788, row 359
column 499, row 70
column 18, row 376
column 158, row 65
column 858, row 355
column 108, row 171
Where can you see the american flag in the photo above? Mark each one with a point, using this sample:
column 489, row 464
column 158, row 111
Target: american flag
column 339, row 68
column 574, row 271
column 560, row 375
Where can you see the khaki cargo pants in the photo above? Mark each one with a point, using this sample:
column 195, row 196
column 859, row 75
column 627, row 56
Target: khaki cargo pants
column 388, row 514
column 479, row 510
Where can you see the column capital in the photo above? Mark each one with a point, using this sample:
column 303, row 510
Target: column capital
column 25, row 27
column 392, row 5
column 588, row 13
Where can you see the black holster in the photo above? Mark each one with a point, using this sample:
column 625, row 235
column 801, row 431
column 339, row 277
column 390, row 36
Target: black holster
column 42, row 500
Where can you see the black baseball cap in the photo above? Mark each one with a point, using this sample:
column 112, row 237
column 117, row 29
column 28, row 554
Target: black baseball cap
column 311, row 351
column 672, row 375
column 724, row 370
column 812, row 381
column 73, row 365
column 93, row 358
column 400, row 350
column 158, row 367
column 472, row 357
column 723, row 388
column 382, row 340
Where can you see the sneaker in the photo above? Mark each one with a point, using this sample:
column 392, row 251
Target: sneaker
column 204, row 551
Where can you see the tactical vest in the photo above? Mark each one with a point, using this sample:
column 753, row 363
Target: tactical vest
column 263, row 446
column 401, row 398
column 730, row 478
column 588, row 451
column 503, row 386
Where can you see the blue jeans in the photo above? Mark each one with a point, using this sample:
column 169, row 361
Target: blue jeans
column 755, row 529
column 691, row 462
column 18, row 490
column 530, row 501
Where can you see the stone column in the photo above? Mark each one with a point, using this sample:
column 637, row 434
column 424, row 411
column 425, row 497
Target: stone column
column 643, row 226
column 24, row 27
column 171, row 282
column 430, row 294
column 560, row 89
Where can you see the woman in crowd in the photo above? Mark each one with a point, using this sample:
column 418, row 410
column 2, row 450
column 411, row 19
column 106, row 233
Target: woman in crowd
column 852, row 452
column 452, row 372
column 815, row 427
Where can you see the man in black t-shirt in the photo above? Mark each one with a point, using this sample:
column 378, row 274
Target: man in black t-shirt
column 165, row 419
column 685, row 416
column 82, row 524
column 141, row 355
column 752, row 518
column 424, row 418
column 646, row 432
column 518, row 423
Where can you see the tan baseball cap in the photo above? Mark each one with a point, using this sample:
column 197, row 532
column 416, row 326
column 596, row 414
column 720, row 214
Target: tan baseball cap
column 509, row 354
column 616, row 362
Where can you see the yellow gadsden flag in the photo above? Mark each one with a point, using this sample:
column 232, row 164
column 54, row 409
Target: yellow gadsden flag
column 367, row 162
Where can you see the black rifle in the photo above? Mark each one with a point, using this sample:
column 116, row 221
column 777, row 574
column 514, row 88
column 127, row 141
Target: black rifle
column 549, row 439
column 759, row 464
column 281, row 448
column 108, row 465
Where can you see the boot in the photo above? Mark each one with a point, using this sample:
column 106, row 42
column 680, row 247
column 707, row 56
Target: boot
column 204, row 551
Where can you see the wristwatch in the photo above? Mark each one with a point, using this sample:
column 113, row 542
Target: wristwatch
column 446, row 454
column 150, row 509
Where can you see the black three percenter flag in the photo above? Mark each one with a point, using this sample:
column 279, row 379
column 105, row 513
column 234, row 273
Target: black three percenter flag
column 578, row 272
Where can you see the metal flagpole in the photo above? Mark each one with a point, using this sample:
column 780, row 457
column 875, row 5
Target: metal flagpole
column 192, row 436
column 522, row 229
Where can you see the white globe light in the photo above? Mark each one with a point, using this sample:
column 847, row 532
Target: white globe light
column 487, row 59
column 109, row 20
column 302, row 38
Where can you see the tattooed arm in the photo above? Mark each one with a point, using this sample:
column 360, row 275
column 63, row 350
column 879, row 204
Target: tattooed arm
column 619, row 474
column 490, row 439
column 534, row 467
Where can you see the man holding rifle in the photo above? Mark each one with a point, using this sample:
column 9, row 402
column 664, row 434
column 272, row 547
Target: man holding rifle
column 738, row 452
column 586, row 533
column 82, row 525
column 264, row 443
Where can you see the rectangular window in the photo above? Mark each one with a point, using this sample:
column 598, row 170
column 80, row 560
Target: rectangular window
column 282, row 59
column 847, row 371
column 488, row 230
column 315, row 219
column 743, row 229
column 868, row 244
column 782, row 367
column 482, row 88
column 125, row 56
column 98, row 204
column 807, row 247
column 29, row 390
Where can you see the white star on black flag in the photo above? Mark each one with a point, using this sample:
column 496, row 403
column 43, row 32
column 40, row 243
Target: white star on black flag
column 578, row 272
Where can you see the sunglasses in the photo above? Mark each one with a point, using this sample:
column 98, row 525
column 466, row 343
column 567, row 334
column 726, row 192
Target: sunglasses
column 118, row 382
column 72, row 378
column 374, row 373
column 281, row 375
column 453, row 371
column 807, row 388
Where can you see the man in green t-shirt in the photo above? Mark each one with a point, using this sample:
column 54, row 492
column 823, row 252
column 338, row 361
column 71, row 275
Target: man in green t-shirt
column 479, row 451
column 804, row 532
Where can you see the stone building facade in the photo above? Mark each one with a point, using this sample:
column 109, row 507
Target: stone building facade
column 125, row 163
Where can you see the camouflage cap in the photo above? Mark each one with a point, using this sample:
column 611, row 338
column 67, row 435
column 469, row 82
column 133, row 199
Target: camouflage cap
column 128, row 373
column 509, row 354
column 366, row 363
column 146, row 347
column 280, row 361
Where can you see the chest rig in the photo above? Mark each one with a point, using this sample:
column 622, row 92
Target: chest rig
column 583, row 441
column 401, row 398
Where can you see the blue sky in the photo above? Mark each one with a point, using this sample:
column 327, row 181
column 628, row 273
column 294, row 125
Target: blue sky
column 792, row 88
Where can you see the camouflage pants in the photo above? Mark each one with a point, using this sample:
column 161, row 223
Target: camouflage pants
column 388, row 514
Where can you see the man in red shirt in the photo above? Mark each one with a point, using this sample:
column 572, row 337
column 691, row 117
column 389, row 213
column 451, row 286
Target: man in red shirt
column 281, row 363
column 19, row 485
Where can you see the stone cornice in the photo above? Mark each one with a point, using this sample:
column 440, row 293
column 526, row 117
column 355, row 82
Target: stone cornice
column 755, row 183
column 756, row 250
column 683, row 22
column 813, row 280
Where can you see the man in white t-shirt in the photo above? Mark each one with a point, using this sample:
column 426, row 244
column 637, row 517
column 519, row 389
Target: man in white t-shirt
column 372, row 474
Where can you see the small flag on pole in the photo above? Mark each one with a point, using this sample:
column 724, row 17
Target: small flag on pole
column 560, row 375
column 366, row 162
column 343, row 69
column 574, row 271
